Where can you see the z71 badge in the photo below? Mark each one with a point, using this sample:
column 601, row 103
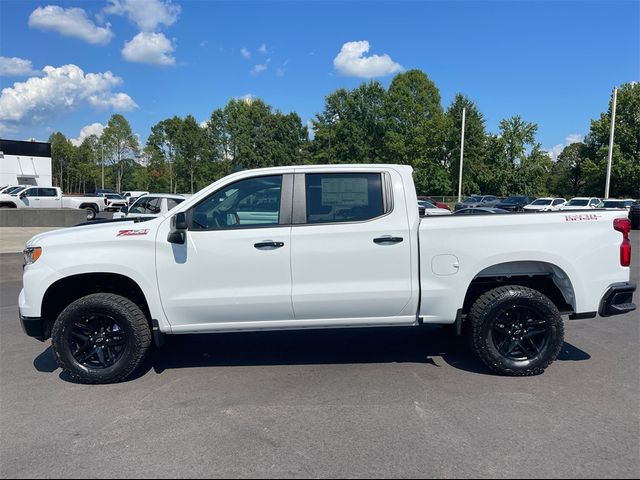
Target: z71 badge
column 582, row 217
column 132, row 233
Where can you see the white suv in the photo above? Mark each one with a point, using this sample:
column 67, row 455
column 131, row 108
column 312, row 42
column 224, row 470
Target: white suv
column 150, row 205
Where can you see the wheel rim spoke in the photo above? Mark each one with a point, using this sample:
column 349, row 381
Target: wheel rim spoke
column 97, row 341
column 520, row 334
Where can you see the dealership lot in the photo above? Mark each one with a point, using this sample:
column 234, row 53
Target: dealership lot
column 374, row 402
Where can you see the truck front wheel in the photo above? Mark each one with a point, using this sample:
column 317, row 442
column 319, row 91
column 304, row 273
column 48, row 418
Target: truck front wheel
column 516, row 330
column 101, row 338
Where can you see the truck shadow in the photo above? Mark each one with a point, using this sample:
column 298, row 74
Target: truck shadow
column 430, row 345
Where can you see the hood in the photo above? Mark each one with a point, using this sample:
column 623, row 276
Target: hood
column 94, row 232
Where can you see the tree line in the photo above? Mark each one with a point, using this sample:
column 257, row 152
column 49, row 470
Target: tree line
column 405, row 123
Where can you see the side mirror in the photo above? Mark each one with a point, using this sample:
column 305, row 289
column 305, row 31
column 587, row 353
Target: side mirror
column 124, row 210
column 178, row 233
column 23, row 195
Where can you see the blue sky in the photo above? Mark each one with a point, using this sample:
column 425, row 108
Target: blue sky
column 554, row 63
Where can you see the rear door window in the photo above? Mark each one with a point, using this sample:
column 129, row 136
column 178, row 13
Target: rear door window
column 343, row 197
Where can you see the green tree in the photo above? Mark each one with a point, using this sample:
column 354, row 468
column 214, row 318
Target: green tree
column 415, row 130
column 62, row 157
column 567, row 175
column 161, row 148
column 350, row 129
column 119, row 144
column 475, row 171
column 625, row 172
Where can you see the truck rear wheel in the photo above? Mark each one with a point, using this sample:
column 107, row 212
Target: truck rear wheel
column 92, row 213
column 516, row 330
column 101, row 338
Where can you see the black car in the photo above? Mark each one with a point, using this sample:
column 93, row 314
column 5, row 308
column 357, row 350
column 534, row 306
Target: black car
column 514, row 203
column 634, row 216
column 477, row 201
column 480, row 211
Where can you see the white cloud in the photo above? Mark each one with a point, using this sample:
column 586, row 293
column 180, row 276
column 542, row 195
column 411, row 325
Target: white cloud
column 86, row 131
column 16, row 67
column 245, row 53
column 59, row 91
column 574, row 138
column 556, row 150
column 70, row 22
column 259, row 68
column 150, row 48
column 147, row 14
column 351, row 61
column 263, row 49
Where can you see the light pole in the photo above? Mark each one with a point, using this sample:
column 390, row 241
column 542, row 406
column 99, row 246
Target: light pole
column 613, row 127
column 464, row 117
column 102, row 160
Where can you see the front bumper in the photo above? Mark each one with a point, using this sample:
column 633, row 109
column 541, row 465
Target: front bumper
column 35, row 327
column 618, row 299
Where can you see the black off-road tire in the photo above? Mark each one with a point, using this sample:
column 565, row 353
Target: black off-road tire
column 133, row 324
column 493, row 305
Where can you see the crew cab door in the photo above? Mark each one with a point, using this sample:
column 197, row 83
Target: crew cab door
column 351, row 247
column 234, row 269
column 49, row 197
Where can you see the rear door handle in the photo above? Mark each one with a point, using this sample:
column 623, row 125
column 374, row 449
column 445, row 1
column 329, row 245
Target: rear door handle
column 268, row 245
column 387, row 240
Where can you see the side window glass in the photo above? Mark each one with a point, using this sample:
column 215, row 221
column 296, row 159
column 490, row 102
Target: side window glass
column 153, row 207
column 253, row 202
column 32, row 192
column 343, row 197
column 140, row 206
column 173, row 202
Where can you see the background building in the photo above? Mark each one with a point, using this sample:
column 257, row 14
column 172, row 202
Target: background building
column 25, row 163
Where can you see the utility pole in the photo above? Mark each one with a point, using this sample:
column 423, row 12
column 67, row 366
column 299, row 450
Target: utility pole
column 613, row 127
column 102, row 160
column 464, row 118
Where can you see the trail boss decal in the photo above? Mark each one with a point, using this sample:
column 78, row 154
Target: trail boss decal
column 582, row 217
column 132, row 233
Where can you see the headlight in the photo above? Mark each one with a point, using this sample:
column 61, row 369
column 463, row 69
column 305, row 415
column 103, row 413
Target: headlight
column 31, row 255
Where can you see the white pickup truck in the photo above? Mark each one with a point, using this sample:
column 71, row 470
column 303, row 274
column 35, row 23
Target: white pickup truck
column 321, row 247
column 51, row 197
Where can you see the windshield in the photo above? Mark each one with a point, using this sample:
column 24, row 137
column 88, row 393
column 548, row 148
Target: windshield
column 14, row 190
column 113, row 195
column 471, row 199
column 542, row 201
column 425, row 204
column 577, row 203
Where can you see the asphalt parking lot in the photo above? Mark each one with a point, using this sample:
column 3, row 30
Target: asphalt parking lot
column 346, row 403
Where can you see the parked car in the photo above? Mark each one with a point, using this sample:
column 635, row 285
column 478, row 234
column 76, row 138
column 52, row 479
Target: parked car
column 581, row 203
column 13, row 189
column 514, row 203
column 114, row 202
column 478, row 201
column 427, row 209
column 634, row 216
column 51, row 197
column 324, row 246
column 545, row 204
column 480, row 211
column 150, row 205
column 132, row 196
column 435, row 202
column 616, row 203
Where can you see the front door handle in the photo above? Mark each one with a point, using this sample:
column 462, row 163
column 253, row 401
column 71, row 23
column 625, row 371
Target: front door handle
column 268, row 245
column 387, row 240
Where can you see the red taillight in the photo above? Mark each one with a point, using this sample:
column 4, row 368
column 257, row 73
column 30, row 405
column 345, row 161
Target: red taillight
column 623, row 225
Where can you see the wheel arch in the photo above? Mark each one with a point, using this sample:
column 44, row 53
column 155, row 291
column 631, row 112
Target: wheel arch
column 65, row 291
column 546, row 277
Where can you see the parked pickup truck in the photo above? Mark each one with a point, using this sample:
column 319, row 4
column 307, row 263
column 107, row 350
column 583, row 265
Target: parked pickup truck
column 51, row 197
column 321, row 247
